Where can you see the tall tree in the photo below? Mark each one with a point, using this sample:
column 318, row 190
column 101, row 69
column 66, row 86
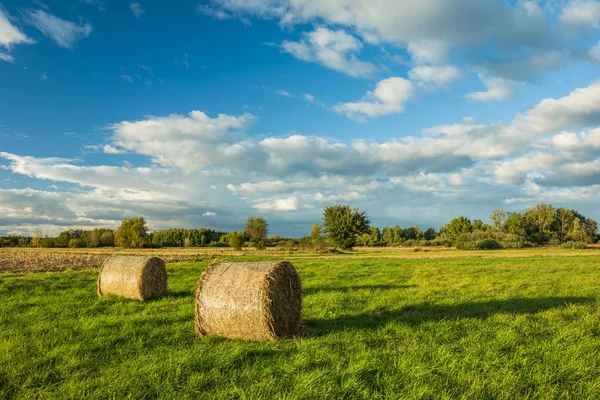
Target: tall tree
column 457, row 227
column 316, row 237
column 498, row 217
column 132, row 233
column 256, row 231
column 343, row 225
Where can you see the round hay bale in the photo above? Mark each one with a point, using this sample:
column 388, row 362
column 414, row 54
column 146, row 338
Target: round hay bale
column 249, row 301
column 134, row 277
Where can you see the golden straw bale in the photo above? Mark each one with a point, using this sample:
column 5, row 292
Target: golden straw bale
column 134, row 277
column 249, row 300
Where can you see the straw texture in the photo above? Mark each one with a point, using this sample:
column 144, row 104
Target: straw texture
column 249, row 301
column 139, row 278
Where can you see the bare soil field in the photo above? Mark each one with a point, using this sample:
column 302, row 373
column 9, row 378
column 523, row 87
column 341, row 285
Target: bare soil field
column 19, row 260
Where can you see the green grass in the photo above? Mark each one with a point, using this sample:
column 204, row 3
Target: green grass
column 376, row 328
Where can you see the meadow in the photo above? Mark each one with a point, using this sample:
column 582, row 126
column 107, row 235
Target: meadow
column 388, row 323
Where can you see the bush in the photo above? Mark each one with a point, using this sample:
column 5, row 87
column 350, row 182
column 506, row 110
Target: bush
column 76, row 243
column 410, row 243
column 485, row 244
column 571, row 244
column 489, row 240
column 511, row 241
column 218, row 244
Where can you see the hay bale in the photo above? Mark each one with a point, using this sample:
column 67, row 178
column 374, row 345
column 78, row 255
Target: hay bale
column 138, row 278
column 249, row 300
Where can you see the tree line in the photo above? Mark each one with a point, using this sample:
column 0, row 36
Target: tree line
column 540, row 225
column 343, row 227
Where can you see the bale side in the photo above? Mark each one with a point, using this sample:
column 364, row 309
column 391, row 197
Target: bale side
column 247, row 300
column 134, row 277
column 153, row 278
column 282, row 301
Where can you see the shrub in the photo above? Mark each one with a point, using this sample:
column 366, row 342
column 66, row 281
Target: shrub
column 218, row 244
column 76, row 243
column 489, row 240
column 571, row 244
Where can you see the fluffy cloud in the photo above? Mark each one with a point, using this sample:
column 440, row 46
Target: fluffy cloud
column 497, row 89
column 333, row 49
column 64, row 33
column 289, row 204
column 188, row 142
column 539, row 155
column 580, row 109
column 513, row 40
column 440, row 75
column 582, row 12
column 390, row 96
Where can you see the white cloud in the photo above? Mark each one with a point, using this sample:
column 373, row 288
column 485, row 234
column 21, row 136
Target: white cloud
column 491, row 34
column 64, row 33
column 289, row 204
column 137, row 9
column 333, row 49
column 7, row 57
column 440, row 75
column 209, row 214
column 127, row 78
column 187, row 142
column 311, row 99
column 539, row 155
column 220, row 14
column 10, row 35
column 390, row 96
column 498, row 89
column 582, row 12
column 284, row 93
column 428, row 51
column 579, row 109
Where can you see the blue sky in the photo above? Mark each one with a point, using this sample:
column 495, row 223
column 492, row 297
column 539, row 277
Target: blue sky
column 202, row 114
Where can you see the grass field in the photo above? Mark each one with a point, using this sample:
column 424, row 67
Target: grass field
column 424, row 328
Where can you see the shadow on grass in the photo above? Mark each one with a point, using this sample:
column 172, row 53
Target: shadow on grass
column 426, row 312
column 318, row 289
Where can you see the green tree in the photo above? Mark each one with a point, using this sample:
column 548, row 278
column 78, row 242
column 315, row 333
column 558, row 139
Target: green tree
column 514, row 224
column 107, row 239
column 364, row 240
column 457, row 227
column 540, row 218
column 478, row 225
column 132, row 233
column 62, row 240
column 343, row 225
column 498, row 217
column 236, row 240
column 429, row 234
column 317, row 241
column 256, row 231
column 375, row 236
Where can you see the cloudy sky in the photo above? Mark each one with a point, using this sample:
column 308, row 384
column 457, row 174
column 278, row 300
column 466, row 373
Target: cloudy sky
column 203, row 114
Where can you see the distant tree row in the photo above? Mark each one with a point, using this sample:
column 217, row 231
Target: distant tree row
column 133, row 233
column 537, row 226
column 344, row 228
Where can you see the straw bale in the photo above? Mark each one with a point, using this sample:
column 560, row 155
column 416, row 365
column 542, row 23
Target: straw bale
column 134, row 277
column 249, row 301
